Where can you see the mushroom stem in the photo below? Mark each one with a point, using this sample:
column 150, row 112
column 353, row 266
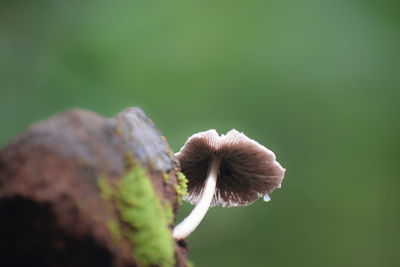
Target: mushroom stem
column 189, row 224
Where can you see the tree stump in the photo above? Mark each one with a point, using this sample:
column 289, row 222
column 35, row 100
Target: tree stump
column 81, row 190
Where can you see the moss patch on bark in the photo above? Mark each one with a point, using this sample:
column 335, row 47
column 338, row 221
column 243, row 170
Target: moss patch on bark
column 146, row 220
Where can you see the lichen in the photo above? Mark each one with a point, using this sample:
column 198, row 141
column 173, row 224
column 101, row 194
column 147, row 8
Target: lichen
column 128, row 159
column 165, row 177
column 146, row 219
column 181, row 187
column 118, row 130
column 105, row 190
column 115, row 230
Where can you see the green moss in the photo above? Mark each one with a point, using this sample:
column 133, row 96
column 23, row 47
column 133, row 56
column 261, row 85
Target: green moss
column 168, row 212
column 147, row 219
column 115, row 231
column 181, row 187
column 189, row 264
column 148, row 228
column 165, row 177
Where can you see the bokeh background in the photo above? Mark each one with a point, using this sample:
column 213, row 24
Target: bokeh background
column 317, row 82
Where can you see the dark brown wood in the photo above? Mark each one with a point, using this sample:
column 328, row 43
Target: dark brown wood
column 51, row 211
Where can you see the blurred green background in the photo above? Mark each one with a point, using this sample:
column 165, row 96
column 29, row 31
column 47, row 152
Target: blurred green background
column 317, row 82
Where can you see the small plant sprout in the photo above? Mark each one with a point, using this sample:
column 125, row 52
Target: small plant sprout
column 228, row 170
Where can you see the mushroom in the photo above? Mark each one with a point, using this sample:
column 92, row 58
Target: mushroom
column 228, row 170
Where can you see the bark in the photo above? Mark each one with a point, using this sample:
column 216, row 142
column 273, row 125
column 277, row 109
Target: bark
column 53, row 211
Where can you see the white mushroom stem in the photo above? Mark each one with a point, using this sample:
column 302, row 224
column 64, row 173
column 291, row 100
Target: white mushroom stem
column 189, row 224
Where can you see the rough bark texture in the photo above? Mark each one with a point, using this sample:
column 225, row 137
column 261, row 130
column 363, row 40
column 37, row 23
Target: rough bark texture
column 53, row 212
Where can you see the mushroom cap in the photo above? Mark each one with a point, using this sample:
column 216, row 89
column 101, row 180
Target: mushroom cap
column 247, row 171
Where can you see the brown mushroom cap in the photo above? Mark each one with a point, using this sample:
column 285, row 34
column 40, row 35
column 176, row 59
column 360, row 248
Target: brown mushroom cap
column 247, row 171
